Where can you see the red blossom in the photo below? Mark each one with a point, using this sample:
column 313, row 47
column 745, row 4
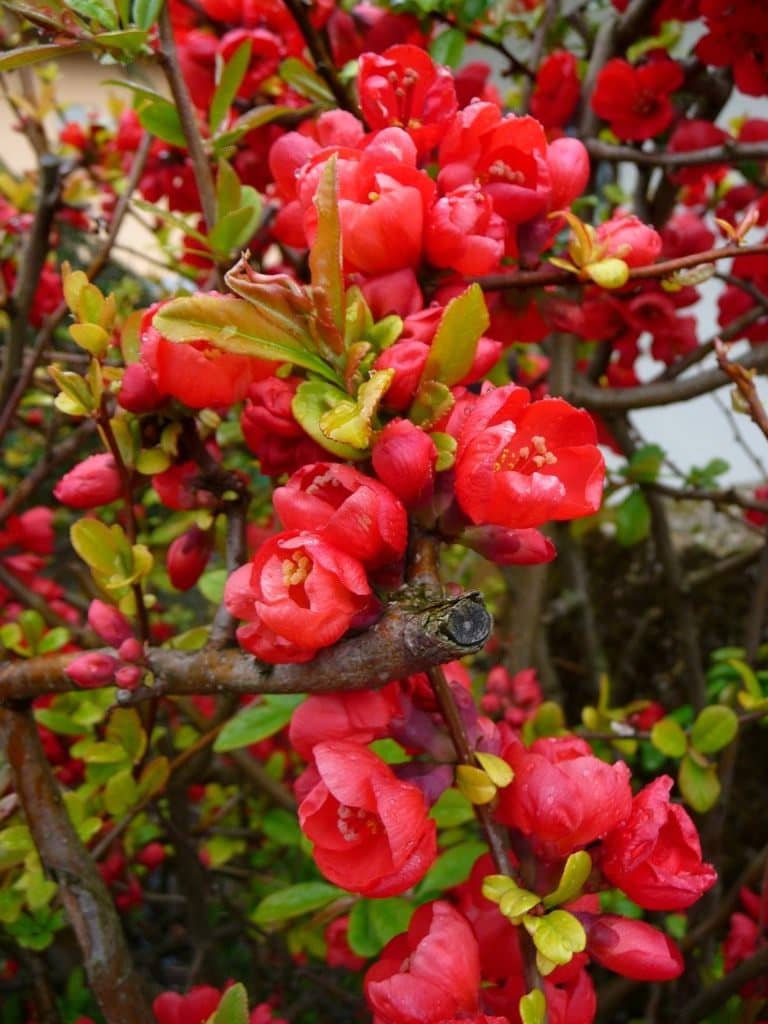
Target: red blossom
column 520, row 464
column 370, row 831
column 403, row 87
column 347, row 509
column 655, row 856
column 635, row 101
column 632, row 949
column 562, row 796
column 556, row 91
column 93, row 482
column 299, row 594
column 429, row 974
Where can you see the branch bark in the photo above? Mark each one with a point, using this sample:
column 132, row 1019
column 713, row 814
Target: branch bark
column 85, row 897
column 403, row 641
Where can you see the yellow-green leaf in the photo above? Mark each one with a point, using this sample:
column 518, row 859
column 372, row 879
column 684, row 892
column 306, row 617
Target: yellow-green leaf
column 557, row 935
column 351, row 423
column 312, row 400
column 609, row 273
column 496, row 768
column 453, row 348
column 516, row 902
column 575, row 873
column 715, row 727
column 533, row 1007
column 699, row 784
column 669, row 737
column 325, row 260
column 475, row 784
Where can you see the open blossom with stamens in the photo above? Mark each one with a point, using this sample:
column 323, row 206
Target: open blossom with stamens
column 521, row 464
column 299, row 594
column 370, row 831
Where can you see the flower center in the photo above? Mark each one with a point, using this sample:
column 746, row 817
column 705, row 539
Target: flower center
column 295, row 569
column 500, row 169
column 354, row 822
column 528, row 458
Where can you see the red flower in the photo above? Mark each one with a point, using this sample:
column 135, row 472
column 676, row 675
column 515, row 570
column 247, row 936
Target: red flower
column 520, row 464
column 91, row 669
column 403, row 87
column 404, row 459
column 635, row 101
column 627, row 238
column 371, row 832
column 347, row 509
column 299, row 594
column 463, row 233
column 348, row 715
column 94, row 481
column 188, row 556
column 631, row 948
column 738, row 39
column 193, row 1008
column 196, row 372
column 556, row 91
column 655, row 856
column 271, row 431
column 429, row 974
column 562, row 796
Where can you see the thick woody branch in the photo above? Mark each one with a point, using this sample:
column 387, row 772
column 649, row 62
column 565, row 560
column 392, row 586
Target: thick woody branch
column 84, row 895
column 665, row 392
column 403, row 641
column 727, row 153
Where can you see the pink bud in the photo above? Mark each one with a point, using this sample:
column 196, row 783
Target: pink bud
column 568, row 163
column 138, row 391
column 633, row 949
column 506, row 546
column 187, row 557
column 95, row 481
column 152, row 856
column 404, row 459
column 627, row 238
column 110, row 623
column 131, row 650
column 128, row 677
column 92, row 669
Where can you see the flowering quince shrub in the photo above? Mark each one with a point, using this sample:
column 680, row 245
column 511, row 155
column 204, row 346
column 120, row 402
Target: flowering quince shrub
column 344, row 678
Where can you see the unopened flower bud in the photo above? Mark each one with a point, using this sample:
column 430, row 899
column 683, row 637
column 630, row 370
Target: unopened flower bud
column 109, row 622
column 92, row 669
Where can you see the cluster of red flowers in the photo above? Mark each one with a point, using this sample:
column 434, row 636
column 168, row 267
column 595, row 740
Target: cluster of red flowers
column 371, row 834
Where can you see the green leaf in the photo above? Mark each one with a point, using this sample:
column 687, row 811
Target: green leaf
column 258, row 721
column 228, row 189
column 234, row 325
column 294, row 901
column 125, row 728
column 668, row 737
column 633, row 519
column 448, row 47
column 452, row 809
column 699, row 784
column 306, row 82
column 94, row 541
column 433, row 400
column 120, row 792
column 575, row 873
column 234, row 230
column 96, row 10
column 325, row 259
column 281, row 827
column 58, row 721
column 233, row 1008
column 54, row 640
column 453, row 347
column 452, row 867
column 161, row 119
column 230, row 80
column 714, row 729
column 351, row 423
column 372, row 923
column 557, row 935
column 153, row 777
column 312, row 400
column 146, row 12
column 645, row 463
column 533, row 1007
column 23, row 56
column 211, row 584
column 254, row 118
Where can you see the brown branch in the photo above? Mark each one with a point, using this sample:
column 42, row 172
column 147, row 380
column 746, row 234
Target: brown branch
column 720, row 991
column 677, row 585
column 732, row 152
column 730, row 496
column 46, row 333
column 169, row 62
column 321, row 55
column 745, row 384
column 515, row 64
column 31, row 262
column 552, row 275
column 646, row 396
column 733, row 330
column 85, row 897
column 403, row 641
